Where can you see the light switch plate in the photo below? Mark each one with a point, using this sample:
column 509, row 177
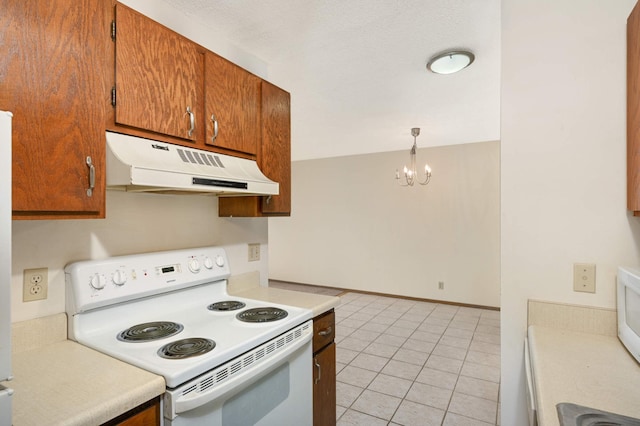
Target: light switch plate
column 584, row 277
column 254, row 252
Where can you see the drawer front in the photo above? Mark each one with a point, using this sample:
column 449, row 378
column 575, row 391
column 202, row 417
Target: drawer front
column 324, row 330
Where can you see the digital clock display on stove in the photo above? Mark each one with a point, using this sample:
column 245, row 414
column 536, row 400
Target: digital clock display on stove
column 168, row 269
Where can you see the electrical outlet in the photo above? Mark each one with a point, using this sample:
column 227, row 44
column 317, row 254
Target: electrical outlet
column 440, row 285
column 35, row 284
column 584, row 277
column 254, row 252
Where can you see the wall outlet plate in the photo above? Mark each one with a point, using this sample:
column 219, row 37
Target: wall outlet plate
column 584, row 277
column 35, row 284
column 254, row 252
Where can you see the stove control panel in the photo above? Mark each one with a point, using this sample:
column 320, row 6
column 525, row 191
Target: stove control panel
column 96, row 283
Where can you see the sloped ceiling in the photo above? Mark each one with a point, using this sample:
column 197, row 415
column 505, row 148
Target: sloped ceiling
column 356, row 68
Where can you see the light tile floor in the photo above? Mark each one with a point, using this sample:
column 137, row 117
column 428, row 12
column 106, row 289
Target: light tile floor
column 404, row 362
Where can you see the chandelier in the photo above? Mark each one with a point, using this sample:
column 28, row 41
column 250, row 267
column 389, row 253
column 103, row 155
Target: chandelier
column 410, row 173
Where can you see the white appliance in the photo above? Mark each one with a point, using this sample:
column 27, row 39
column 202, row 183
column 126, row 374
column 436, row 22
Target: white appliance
column 170, row 313
column 144, row 165
column 628, row 300
column 530, row 392
column 5, row 267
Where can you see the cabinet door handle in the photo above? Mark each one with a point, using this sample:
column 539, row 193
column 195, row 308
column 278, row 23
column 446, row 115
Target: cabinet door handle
column 215, row 128
column 327, row 331
column 92, row 176
column 192, row 121
column 315, row 361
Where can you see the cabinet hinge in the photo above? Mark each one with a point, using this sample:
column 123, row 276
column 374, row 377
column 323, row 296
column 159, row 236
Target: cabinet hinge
column 113, row 30
column 113, row 96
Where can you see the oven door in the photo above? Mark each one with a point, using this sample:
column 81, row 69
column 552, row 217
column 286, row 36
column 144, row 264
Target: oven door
column 275, row 390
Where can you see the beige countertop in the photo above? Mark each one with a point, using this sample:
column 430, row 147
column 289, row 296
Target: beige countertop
column 318, row 303
column 60, row 382
column 582, row 368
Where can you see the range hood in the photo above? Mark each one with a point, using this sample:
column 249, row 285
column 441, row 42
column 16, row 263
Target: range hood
column 144, row 165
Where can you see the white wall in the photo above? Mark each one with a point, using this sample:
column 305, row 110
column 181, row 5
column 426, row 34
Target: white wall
column 352, row 227
column 563, row 163
column 135, row 223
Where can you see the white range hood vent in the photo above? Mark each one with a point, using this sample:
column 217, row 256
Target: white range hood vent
column 144, row 165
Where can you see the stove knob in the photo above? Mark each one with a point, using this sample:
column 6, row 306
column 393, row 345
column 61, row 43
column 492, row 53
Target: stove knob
column 119, row 277
column 194, row 266
column 220, row 261
column 98, row 281
column 208, row 263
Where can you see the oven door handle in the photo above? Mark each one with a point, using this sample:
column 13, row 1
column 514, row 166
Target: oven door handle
column 246, row 378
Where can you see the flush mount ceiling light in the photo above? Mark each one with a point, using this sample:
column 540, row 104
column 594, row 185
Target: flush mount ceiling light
column 410, row 173
column 450, row 62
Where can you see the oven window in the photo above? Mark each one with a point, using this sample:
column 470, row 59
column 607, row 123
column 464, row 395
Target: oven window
column 251, row 405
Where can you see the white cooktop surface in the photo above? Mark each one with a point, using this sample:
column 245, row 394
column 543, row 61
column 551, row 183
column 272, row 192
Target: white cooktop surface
column 99, row 330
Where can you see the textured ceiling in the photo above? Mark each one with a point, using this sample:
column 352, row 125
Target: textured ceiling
column 356, row 68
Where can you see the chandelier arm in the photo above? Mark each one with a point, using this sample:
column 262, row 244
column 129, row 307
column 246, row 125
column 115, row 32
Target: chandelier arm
column 426, row 180
column 399, row 181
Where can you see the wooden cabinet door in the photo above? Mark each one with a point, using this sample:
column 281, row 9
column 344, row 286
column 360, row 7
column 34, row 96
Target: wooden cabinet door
column 274, row 159
column 232, row 106
column 158, row 77
column 324, row 369
column 324, row 386
column 54, row 78
column 633, row 111
column 147, row 414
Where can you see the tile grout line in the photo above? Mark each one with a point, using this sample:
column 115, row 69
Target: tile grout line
column 360, row 307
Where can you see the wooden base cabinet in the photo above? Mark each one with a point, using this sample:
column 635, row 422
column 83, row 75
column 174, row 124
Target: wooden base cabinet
column 324, row 370
column 147, row 414
column 54, row 73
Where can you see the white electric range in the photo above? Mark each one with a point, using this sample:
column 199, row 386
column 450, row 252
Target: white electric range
column 225, row 360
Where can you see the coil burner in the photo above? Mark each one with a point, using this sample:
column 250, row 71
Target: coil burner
column 227, row 305
column 186, row 348
column 266, row 314
column 149, row 331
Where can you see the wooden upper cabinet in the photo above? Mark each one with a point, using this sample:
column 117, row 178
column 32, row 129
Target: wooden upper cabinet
column 274, row 158
column 232, row 106
column 54, row 74
column 158, row 77
column 633, row 111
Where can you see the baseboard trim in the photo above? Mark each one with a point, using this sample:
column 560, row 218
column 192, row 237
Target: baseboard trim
column 395, row 296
